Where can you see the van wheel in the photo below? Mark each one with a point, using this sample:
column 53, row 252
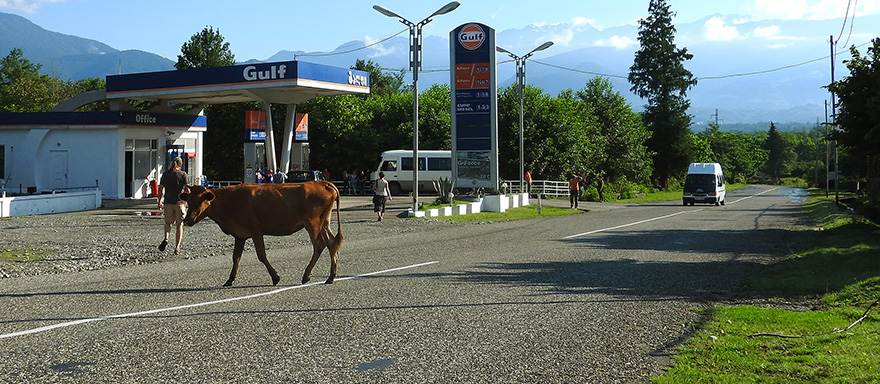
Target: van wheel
column 717, row 203
column 722, row 202
column 685, row 203
column 394, row 188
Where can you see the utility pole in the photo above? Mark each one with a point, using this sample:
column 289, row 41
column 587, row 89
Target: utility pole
column 834, row 123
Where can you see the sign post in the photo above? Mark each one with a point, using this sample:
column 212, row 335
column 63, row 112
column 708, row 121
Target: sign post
column 474, row 106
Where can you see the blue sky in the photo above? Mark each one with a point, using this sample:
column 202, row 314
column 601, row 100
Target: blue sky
column 257, row 29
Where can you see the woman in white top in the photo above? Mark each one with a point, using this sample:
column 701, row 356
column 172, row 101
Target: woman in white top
column 382, row 194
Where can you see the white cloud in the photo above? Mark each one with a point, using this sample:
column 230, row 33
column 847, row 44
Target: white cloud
column 566, row 34
column 618, row 42
column 377, row 50
column 812, row 9
column 27, row 6
column 716, row 29
column 770, row 31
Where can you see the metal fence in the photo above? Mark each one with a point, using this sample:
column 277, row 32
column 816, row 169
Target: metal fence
column 543, row 187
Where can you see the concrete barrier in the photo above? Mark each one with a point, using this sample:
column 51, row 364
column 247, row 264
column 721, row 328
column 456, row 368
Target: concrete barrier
column 50, row 203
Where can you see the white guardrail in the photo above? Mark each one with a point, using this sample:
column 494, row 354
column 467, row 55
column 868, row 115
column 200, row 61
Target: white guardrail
column 543, row 187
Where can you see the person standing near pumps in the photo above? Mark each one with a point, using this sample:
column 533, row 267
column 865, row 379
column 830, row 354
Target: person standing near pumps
column 382, row 195
column 172, row 184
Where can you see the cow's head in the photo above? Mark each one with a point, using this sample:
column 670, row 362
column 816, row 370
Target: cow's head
column 198, row 200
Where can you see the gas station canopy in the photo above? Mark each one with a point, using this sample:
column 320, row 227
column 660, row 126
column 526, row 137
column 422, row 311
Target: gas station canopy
column 289, row 82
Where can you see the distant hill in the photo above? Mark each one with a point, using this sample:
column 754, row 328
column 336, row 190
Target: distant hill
column 70, row 57
column 770, row 70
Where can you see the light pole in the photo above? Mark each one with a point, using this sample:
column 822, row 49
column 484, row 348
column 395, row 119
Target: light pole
column 521, row 86
column 415, row 62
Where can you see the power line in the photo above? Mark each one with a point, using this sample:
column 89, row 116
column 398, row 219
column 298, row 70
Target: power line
column 351, row 50
column 704, row 77
column 719, row 77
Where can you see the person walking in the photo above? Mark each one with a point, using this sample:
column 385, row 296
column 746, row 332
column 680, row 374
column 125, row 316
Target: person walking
column 381, row 196
column 574, row 190
column 600, row 188
column 171, row 185
column 529, row 181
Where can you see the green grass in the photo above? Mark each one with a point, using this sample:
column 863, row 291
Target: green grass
column 667, row 195
column 836, row 265
column 21, row 256
column 724, row 351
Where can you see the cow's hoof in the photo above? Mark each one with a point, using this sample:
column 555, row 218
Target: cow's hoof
column 275, row 280
column 329, row 281
column 228, row 283
column 306, row 279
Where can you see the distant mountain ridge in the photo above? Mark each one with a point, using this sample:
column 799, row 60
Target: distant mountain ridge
column 69, row 57
column 737, row 62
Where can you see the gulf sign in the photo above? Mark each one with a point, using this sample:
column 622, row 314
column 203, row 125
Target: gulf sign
column 471, row 36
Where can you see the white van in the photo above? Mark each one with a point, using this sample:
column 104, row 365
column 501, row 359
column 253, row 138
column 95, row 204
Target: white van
column 704, row 183
column 398, row 168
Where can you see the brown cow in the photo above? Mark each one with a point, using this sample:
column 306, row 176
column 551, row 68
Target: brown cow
column 250, row 211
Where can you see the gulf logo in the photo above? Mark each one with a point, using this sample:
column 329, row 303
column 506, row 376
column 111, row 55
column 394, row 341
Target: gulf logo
column 471, row 36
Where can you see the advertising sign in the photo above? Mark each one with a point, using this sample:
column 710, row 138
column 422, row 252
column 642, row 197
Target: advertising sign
column 302, row 127
column 255, row 124
column 474, row 109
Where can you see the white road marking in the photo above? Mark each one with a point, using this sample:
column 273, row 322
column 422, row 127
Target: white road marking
column 630, row 224
column 177, row 308
column 749, row 197
column 661, row 217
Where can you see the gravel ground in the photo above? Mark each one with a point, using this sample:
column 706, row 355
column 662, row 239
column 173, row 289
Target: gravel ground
column 128, row 232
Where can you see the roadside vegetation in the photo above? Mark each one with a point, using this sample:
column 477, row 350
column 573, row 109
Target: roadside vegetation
column 818, row 317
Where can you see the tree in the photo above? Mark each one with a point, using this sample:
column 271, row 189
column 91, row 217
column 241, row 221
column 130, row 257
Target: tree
column 15, row 66
column 779, row 154
column 623, row 153
column 858, row 117
column 24, row 89
column 205, row 49
column 382, row 82
column 658, row 74
column 741, row 154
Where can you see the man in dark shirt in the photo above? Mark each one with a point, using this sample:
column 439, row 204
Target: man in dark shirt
column 172, row 184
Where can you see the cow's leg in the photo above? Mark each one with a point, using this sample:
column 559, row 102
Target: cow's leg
column 318, row 247
column 261, row 254
column 236, row 258
column 333, row 243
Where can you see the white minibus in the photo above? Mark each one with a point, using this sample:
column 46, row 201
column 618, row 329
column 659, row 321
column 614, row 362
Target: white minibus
column 398, row 168
column 704, row 183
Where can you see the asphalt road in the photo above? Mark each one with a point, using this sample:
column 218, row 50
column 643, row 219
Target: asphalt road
column 600, row 297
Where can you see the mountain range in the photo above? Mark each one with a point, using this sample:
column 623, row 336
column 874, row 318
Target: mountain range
column 748, row 72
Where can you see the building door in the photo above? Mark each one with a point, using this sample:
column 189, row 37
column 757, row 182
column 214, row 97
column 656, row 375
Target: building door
column 58, row 163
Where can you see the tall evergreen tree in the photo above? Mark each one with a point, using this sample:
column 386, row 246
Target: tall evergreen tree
column 205, row 49
column 779, row 154
column 658, row 75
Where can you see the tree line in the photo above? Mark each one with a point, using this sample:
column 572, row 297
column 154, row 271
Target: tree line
column 592, row 131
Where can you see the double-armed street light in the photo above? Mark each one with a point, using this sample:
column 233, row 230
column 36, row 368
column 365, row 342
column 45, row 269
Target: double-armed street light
column 521, row 85
column 415, row 62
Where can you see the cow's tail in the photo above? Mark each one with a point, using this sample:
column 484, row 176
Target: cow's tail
column 338, row 217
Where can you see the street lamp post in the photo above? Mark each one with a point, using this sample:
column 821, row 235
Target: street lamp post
column 521, row 86
column 415, row 62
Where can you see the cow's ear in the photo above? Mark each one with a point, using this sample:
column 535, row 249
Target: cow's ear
column 184, row 196
column 209, row 196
